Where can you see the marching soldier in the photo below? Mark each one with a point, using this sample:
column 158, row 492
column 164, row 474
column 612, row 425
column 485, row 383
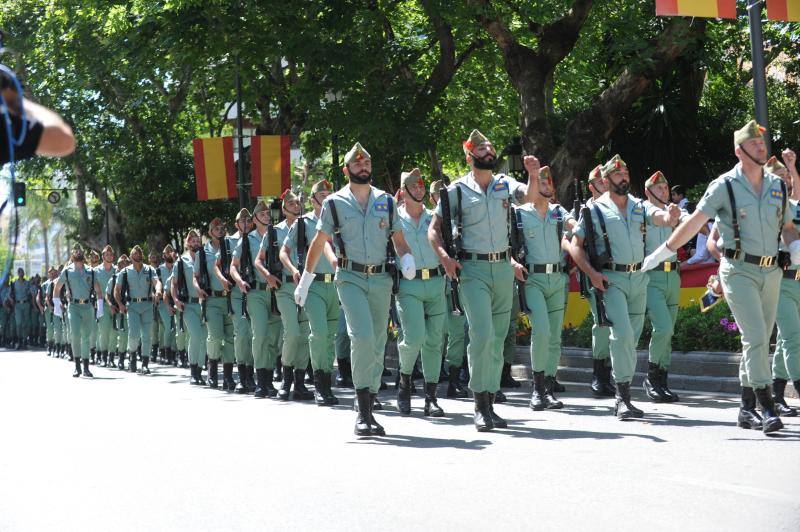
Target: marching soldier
column 242, row 333
column 22, row 308
column 155, row 328
column 103, row 273
column 166, row 312
column 620, row 223
column 82, row 289
column 119, row 336
column 322, row 303
column 47, row 287
column 94, row 262
column 185, row 293
column 420, row 303
column 136, row 288
column 213, row 290
column 750, row 207
column 254, row 286
column 363, row 222
column 481, row 201
column 294, row 354
column 541, row 226
column 6, row 312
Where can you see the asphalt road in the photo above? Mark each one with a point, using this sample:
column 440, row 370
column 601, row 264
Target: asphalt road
column 124, row 452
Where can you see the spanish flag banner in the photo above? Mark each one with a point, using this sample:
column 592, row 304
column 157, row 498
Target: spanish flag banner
column 787, row 10
column 696, row 8
column 214, row 168
column 270, row 164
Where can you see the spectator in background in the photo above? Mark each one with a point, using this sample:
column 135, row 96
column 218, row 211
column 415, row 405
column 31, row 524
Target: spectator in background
column 701, row 253
column 678, row 194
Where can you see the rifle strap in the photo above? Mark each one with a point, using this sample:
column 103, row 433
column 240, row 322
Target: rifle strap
column 337, row 233
column 602, row 222
column 389, row 247
column 737, row 236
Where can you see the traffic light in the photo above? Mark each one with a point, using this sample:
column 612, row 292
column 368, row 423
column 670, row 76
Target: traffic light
column 20, row 194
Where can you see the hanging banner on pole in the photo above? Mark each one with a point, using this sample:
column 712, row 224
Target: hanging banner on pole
column 696, row 8
column 214, row 169
column 270, row 164
column 784, row 10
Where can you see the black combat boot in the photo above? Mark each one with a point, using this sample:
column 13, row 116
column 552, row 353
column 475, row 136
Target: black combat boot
column 309, row 379
column 277, row 372
column 301, row 393
column 184, row 359
column 609, row 390
column 193, row 373
column 105, row 359
column 111, row 356
column 538, row 400
column 228, row 384
column 454, row 388
column 286, row 387
column 404, row 394
column 251, row 382
column 506, row 380
column 499, row 397
column 558, row 387
column 242, row 386
column 319, row 387
column 623, row 408
column 778, row 389
column 92, row 355
column 549, row 393
column 770, row 420
column 652, row 384
column 146, row 366
column 363, row 404
column 673, row 397
column 748, row 416
column 199, row 370
column 132, row 365
column 86, row 372
column 483, row 416
column 376, row 428
column 344, row 379
column 497, row 421
column 327, row 380
column 264, row 386
column 598, row 374
column 77, row 372
column 432, row 407
column 213, row 374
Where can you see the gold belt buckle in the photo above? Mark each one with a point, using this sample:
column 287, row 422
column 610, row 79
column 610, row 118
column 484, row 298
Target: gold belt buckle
column 797, row 275
column 494, row 256
column 328, row 277
column 370, row 269
column 548, row 268
column 766, row 262
column 426, row 274
column 630, row 268
column 667, row 266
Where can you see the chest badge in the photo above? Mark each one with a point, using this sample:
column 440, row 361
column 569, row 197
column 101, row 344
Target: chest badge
column 505, row 204
column 742, row 214
column 382, row 224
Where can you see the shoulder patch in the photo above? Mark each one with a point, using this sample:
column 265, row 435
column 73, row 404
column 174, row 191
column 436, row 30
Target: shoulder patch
column 381, row 206
column 776, row 193
column 638, row 210
column 500, row 185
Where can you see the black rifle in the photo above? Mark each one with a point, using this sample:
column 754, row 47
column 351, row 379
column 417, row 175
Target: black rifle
column 183, row 289
column 452, row 244
column 225, row 262
column 204, row 281
column 273, row 264
column 519, row 251
column 391, row 256
column 597, row 261
column 302, row 245
column 577, row 205
column 246, row 271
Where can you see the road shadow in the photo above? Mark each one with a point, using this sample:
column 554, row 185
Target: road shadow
column 518, row 431
column 420, row 442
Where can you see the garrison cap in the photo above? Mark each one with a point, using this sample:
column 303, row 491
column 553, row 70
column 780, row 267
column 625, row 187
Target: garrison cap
column 774, row 166
column 289, row 195
column 614, row 164
column 545, row 174
column 357, row 152
column 655, row 179
column 751, row 130
column 476, row 138
column 414, row 176
column 242, row 213
column 436, row 186
column 260, row 207
column 322, row 184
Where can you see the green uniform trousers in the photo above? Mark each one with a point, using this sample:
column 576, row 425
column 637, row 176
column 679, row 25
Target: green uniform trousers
column 140, row 322
column 220, row 330
column 601, row 343
column 455, row 328
column 168, row 326
column 122, row 333
column 242, row 335
column 196, row 333
column 486, row 294
column 663, row 296
column 81, row 318
column 104, row 330
column 365, row 300
column 58, row 329
column 155, row 332
column 22, row 319
column 510, row 344
column 93, row 335
column 544, row 293
column 181, row 331
column 258, row 308
column 626, row 304
column 294, row 352
column 422, row 310
column 752, row 295
column 342, row 338
column 322, row 310
column 49, row 320
column 786, row 361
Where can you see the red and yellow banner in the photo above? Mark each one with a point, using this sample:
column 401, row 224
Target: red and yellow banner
column 270, row 164
column 214, row 168
column 697, row 8
column 787, row 10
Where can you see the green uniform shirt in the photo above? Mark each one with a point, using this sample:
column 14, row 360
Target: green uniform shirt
column 281, row 231
column 102, row 275
column 365, row 232
column 232, row 243
column 139, row 283
column 164, row 272
column 254, row 238
column 80, row 281
column 759, row 216
column 212, row 256
column 21, row 289
column 625, row 233
column 417, row 237
column 542, row 239
column 485, row 215
column 310, row 224
column 188, row 273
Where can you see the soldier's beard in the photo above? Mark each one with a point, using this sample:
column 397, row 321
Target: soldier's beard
column 487, row 162
column 621, row 189
column 360, row 180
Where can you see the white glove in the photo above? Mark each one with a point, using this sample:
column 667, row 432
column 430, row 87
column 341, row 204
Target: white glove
column 657, row 257
column 57, row 306
column 301, row 292
column 100, row 308
column 794, row 250
column 408, row 266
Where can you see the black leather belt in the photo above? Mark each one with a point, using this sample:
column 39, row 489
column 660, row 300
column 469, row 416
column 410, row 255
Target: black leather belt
column 496, row 256
column 545, row 268
column 81, row 301
column 324, row 278
column 627, row 268
column 287, row 278
column 194, row 300
column 347, row 264
column 666, row 267
column 261, row 286
column 791, row 274
column 765, row 261
column 140, row 299
column 427, row 273
column 219, row 293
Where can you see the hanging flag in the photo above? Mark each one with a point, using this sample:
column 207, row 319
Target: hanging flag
column 214, row 168
column 697, row 8
column 786, row 10
column 270, row 164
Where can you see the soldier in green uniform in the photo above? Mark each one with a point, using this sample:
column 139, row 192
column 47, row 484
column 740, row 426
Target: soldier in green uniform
column 185, row 293
column 751, row 212
column 214, row 293
column 254, row 285
column 786, row 360
column 242, row 334
column 82, row 288
column 364, row 224
column 136, row 288
column 22, row 308
column 155, row 328
column 620, row 223
column 6, row 312
column 94, row 262
column 421, row 306
column 103, row 273
column 119, row 336
column 47, row 288
column 322, row 304
column 541, row 225
column 166, row 312
column 481, row 200
column 294, row 353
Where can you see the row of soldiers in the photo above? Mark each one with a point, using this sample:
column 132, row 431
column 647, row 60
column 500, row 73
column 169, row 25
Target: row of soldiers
column 471, row 259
